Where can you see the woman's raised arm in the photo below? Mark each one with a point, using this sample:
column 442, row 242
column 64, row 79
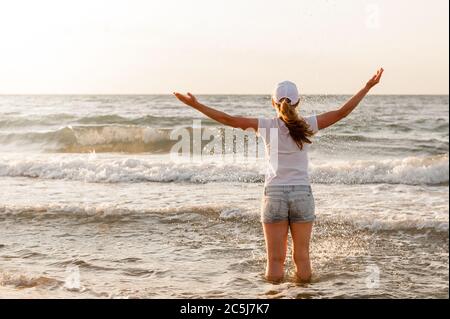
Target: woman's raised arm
column 327, row 119
column 221, row 117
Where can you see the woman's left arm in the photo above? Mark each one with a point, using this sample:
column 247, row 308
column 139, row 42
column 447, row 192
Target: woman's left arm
column 327, row 119
column 221, row 117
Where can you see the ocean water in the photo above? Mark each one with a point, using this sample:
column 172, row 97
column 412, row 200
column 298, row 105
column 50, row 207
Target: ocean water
column 93, row 203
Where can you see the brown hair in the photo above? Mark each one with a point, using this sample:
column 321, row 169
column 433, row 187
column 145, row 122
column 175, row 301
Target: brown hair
column 299, row 130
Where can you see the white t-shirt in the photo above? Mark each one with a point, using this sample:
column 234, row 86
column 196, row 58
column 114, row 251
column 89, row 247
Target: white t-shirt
column 287, row 164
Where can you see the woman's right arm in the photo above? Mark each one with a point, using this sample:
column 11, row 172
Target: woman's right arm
column 327, row 119
column 221, row 117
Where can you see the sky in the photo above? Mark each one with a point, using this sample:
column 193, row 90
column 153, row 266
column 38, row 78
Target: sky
column 222, row 46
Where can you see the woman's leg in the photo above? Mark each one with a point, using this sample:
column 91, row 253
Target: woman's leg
column 276, row 235
column 301, row 236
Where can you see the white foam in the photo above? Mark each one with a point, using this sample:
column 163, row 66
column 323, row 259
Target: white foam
column 431, row 170
column 409, row 171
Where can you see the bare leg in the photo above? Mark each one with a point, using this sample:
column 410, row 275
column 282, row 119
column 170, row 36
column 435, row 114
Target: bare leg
column 301, row 236
column 276, row 245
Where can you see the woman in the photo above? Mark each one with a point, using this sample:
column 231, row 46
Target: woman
column 288, row 202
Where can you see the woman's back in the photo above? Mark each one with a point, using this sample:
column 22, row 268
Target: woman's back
column 287, row 163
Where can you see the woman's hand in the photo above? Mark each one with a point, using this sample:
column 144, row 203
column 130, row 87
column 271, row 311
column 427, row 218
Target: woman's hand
column 375, row 79
column 221, row 117
column 327, row 119
column 188, row 99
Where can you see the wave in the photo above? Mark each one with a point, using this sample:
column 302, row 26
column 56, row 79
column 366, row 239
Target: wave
column 95, row 120
column 351, row 137
column 185, row 214
column 429, row 170
column 408, row 225
column 23, row 121
column 105, row 211
column 83, row 139
column 132, row 136
column 147, row 120
column 397, row 144
column 24, row 281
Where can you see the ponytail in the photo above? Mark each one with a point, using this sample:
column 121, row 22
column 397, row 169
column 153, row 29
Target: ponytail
column 299, row 130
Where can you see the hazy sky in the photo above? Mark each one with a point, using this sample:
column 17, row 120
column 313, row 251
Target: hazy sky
column 222, row 46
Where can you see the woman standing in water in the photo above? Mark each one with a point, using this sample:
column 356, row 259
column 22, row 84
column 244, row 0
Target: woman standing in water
column 288, row 202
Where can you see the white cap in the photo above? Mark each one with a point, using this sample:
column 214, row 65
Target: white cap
column 286, row 89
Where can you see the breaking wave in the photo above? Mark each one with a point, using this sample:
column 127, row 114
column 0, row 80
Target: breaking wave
column 124, row 136
column 430, row 170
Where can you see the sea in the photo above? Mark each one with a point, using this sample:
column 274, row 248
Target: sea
column 98, row 201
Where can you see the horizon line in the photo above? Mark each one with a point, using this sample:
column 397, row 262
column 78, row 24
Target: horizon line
column 211, row 94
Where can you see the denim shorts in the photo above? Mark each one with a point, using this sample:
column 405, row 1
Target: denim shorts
column 288, row 203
